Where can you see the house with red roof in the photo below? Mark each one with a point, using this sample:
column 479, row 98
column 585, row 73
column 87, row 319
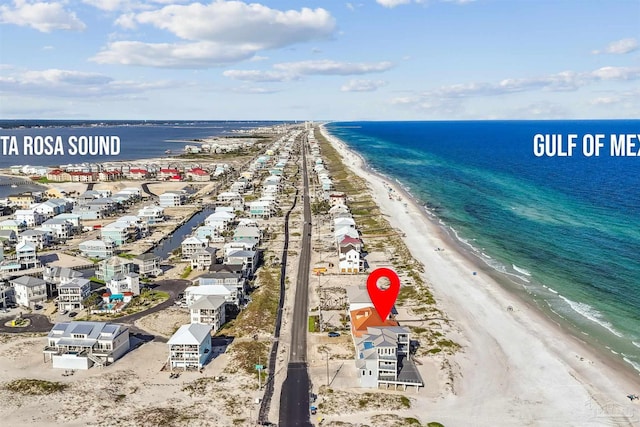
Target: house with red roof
column 198, row 174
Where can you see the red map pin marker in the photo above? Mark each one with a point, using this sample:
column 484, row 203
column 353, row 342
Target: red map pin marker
column 383, row 300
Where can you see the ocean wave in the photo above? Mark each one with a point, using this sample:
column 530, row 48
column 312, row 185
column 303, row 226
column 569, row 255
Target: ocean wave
column 635, row 365
column 521, row 270
column 585, row 310
column 637, row 344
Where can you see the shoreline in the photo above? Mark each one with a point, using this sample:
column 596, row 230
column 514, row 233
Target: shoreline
column 595, row 377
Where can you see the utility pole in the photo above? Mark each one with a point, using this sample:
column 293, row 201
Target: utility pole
column 327, row 353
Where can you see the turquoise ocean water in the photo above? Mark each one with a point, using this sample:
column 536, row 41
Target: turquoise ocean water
column 563, row 231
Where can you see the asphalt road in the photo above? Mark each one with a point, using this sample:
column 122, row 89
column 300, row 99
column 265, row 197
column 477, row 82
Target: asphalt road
column 294, row 398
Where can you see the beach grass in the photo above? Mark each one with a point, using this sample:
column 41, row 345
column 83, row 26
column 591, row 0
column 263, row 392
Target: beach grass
column 35, row 387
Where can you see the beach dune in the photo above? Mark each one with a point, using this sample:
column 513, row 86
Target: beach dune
column 516, row 367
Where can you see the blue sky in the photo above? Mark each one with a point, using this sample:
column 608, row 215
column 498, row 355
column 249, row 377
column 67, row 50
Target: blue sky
column 306, row 59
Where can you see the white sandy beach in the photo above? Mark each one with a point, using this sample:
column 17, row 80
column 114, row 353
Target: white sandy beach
column 516, row 367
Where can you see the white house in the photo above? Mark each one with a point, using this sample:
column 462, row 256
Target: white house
column 73, row 293
column 172, row 199
column 209, row 310
column 203, row 258
column 248, row 259
column 190, row 346
column 220, row 220
column 124, row 282
column 61, row 228
column 382, row 358
column 26, row 255
column 29, row 291
column 350, row 260
column 29, row 216
column 191, row 245
column 151, row 214
column 100, row 249
column 39, row 238
column 80, row 345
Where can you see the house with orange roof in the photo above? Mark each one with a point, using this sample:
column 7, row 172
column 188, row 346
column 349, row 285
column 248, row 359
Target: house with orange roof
column 367, row 317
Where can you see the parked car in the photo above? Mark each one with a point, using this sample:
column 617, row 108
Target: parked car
column 73, row 314
column 333, row 334
column 64, row 312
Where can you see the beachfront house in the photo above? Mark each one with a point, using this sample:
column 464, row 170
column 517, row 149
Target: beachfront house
column 29, row 291
column 383, row 358
column 350, row 260
column 209, row 310
column 80, row 345
column 72, row 294
column 190, row 346
column 337, row 199
column 100, row 249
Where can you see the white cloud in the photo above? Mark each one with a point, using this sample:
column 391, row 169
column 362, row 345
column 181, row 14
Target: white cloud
column 259, row 58
column 122, row 5
column 288, row 71
column 620, row 47
column 616, row 73
column 393, row 3
column 259, row 76
column 172, row 55
column 328, row 67
column 219, row 33
column 71, row 83
column 563, row 81
column 236, row 23
column 42, row 16
column 110, row 5
column 250, row 90
column 362, row 85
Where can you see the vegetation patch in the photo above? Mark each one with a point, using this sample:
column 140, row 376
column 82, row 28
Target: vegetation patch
column 337, row 401
column 162, row 417
column 246, row 355
column 33, row 387
column 260, row 315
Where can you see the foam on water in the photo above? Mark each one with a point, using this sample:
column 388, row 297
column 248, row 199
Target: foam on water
column 521, row 270
column 635, row 365
column 585, row 310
